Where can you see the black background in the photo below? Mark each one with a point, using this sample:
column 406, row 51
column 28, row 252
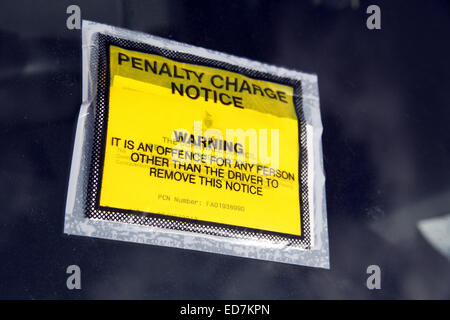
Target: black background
column 385, row 110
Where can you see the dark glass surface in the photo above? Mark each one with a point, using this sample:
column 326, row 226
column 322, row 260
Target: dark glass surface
column 385, row 108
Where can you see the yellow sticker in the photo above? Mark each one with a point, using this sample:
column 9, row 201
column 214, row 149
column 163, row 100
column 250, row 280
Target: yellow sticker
column 208, row 145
